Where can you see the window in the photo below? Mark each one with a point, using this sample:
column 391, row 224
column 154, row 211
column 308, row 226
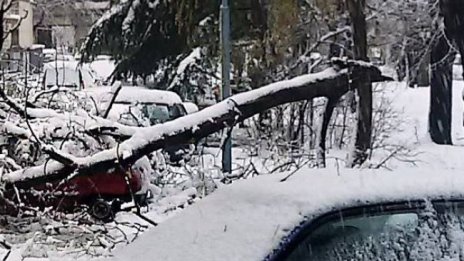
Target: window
column 431, row 231
column 15, row 38
column 156, row 113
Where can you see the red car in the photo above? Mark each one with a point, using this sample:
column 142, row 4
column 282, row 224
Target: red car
column 102, row 193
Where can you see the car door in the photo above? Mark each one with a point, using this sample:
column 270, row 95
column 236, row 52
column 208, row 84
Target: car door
column 422, row 230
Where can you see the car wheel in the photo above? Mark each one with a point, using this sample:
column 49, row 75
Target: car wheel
column 101, row 210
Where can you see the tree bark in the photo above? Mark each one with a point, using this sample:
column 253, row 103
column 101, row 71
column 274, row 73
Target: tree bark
column 441, row 92
column 442, row 57
column 363, row 85
column 193, row 127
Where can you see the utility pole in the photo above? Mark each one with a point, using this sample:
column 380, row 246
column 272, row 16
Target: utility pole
column 226, row 60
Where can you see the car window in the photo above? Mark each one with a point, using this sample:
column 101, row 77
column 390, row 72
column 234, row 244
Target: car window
column 176, row 111
column 127, row 114
column 415, row 234
column 156, row 113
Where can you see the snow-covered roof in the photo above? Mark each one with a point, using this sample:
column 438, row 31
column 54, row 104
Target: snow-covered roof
column 135, row 94
column 248, row 219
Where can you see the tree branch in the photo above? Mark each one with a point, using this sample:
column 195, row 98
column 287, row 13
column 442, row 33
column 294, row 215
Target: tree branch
column 116, row 89
column 193, row 127
column 11, row 103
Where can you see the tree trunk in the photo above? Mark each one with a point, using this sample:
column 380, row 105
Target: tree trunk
column 311, row 125
column 363, row 85
column 441, row 92
column 442, row 58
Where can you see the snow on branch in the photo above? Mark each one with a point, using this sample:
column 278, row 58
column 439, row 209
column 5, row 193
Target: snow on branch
column 10, row 129
column 332, row 82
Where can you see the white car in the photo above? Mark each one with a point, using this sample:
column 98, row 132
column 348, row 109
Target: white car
column 134, row 103
column 139, row 106
column 317, row 215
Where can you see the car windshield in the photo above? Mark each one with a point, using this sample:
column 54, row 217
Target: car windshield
column 431, row 234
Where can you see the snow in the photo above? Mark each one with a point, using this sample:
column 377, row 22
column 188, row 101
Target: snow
column 194, row 55
column 247, row 220
column 37, row 46
column 115, row 10
column 126, row 24
column 292, row 83
column 190, row 60
column 103, row 68
column 10, row 128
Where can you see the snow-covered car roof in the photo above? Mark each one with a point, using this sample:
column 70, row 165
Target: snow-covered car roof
column 248, row 219
column 135, row 94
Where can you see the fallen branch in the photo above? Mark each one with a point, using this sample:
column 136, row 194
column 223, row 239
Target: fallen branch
column 11, row 103
column 329, row 83
column 117, row 86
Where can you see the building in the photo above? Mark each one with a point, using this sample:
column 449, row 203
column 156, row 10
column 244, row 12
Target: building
column 64, row 24
column 19, row 24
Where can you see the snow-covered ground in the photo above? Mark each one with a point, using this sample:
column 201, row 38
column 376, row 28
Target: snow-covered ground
column 408, row 124
column 409, row 131
column 413, row 105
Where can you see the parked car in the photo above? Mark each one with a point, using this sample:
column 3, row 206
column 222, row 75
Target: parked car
column 68, row 74
column 415, row 214
column 139, row 106
column 103, row 193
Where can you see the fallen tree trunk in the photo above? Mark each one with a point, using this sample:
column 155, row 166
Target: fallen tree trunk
column 329, row 83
